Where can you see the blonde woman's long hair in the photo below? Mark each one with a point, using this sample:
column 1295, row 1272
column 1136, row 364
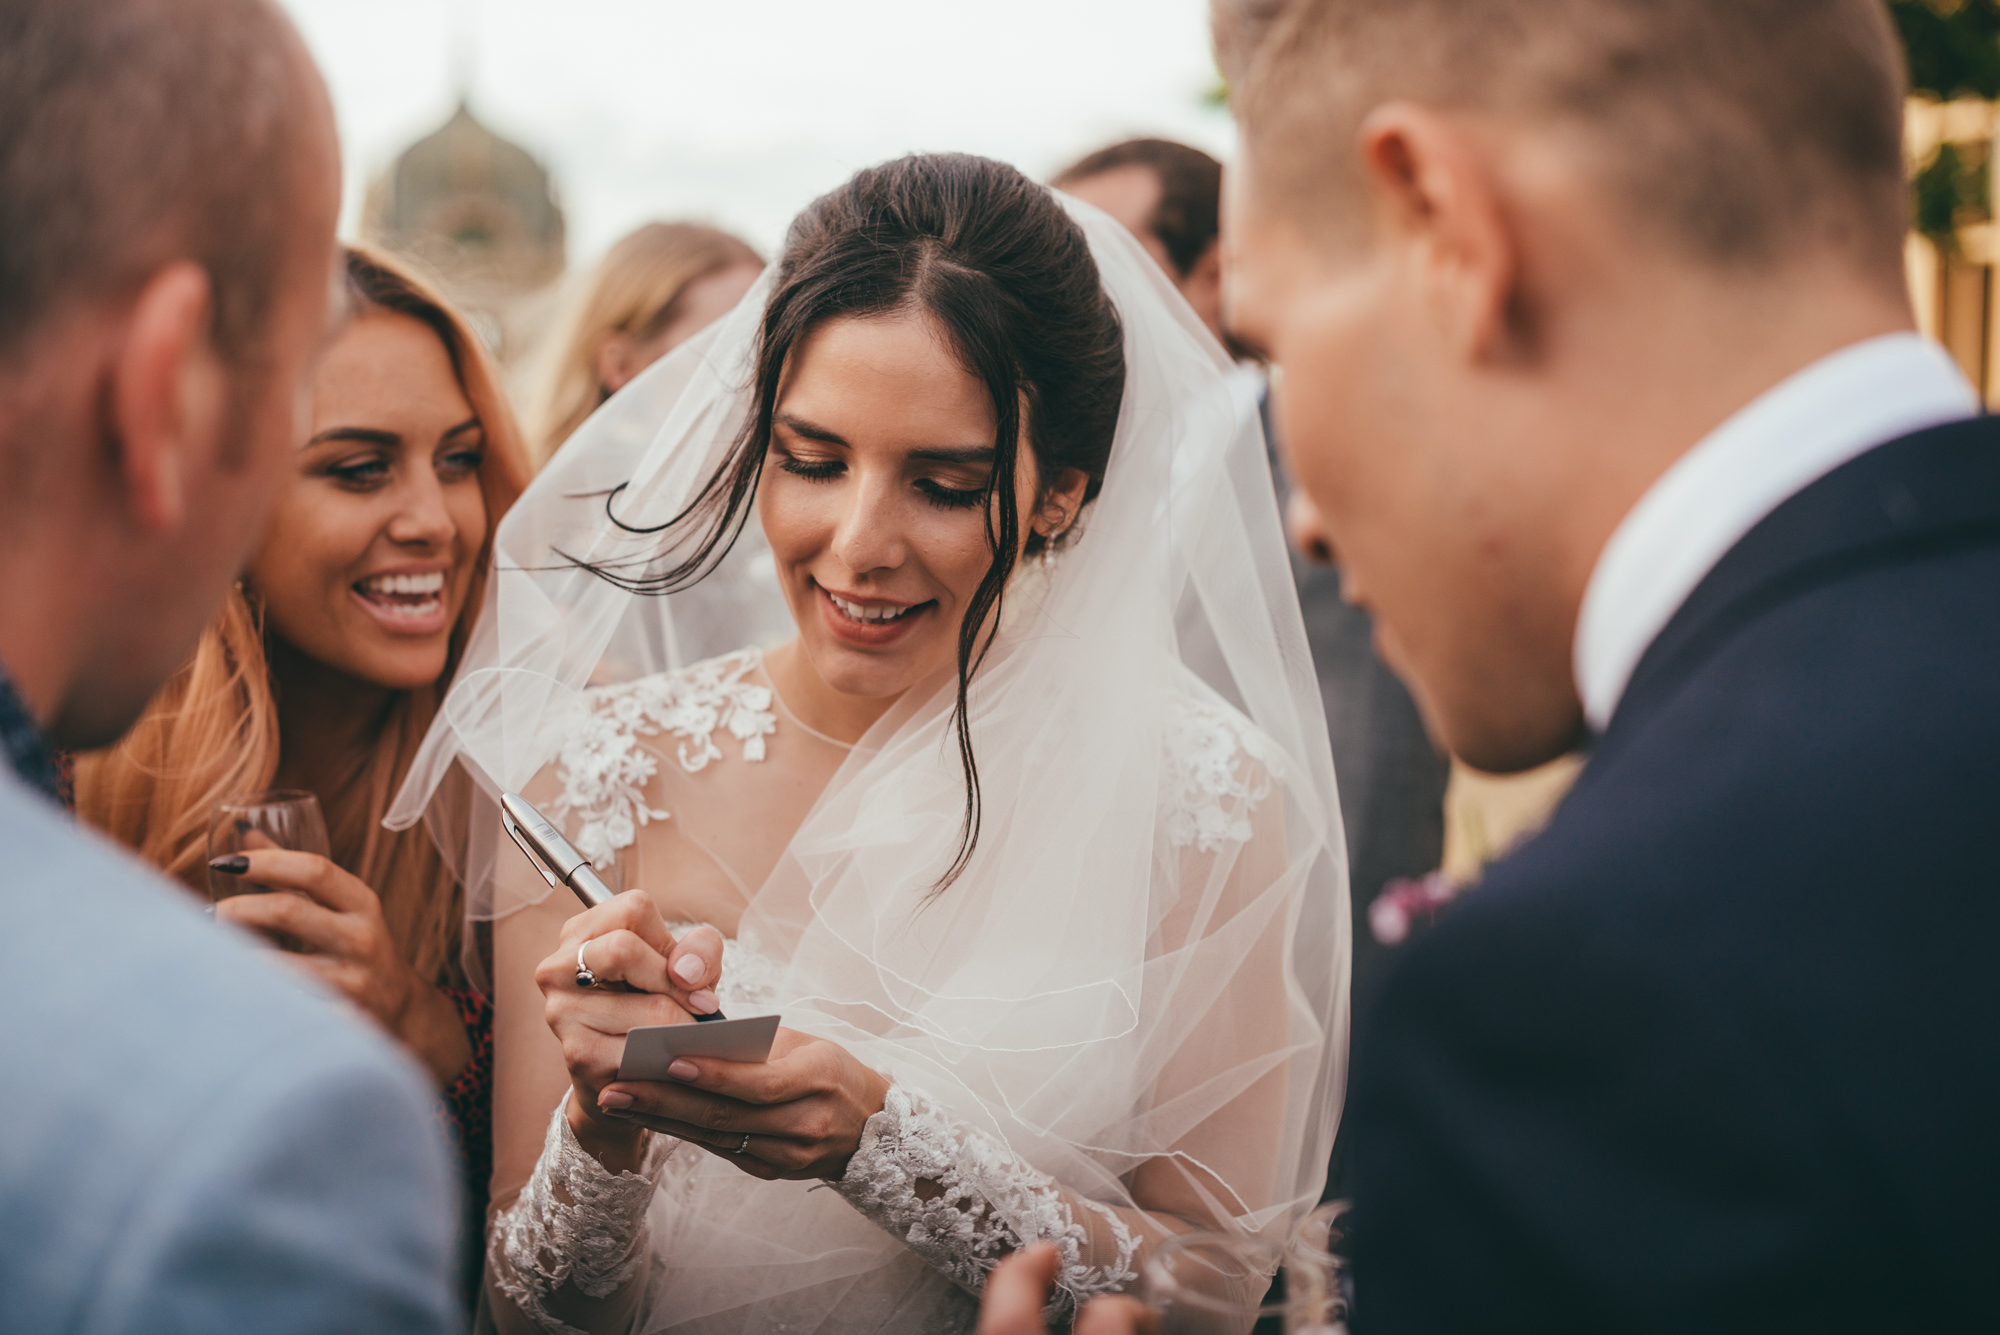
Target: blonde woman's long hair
column 212, row 732
column 635, row 291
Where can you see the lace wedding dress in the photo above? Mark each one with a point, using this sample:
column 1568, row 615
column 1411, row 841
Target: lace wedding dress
column 687, row 766
column 1126, row 1018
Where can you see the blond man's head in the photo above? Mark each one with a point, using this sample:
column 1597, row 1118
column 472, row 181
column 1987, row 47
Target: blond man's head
column 1515, row 257
column 1730, row 130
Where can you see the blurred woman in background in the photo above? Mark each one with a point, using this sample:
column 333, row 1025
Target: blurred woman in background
column 324, row 670
column 655, row 288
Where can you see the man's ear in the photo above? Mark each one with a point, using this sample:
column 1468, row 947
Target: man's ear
column 1435, row 194
column 168, row 394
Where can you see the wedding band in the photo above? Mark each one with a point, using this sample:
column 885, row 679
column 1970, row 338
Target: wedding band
column 584, row 977
column 744, row 1146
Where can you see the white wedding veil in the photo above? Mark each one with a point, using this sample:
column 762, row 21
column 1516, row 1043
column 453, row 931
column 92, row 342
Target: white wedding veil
column 1141, row 975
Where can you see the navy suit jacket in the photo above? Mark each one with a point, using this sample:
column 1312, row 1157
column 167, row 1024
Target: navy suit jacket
column 1720, row 1050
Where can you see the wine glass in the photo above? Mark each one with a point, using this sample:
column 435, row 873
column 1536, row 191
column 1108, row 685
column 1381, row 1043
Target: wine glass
column 1210, row 1283
column 281, row 818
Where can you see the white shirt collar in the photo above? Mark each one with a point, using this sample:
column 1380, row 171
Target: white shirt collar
column 1831, row 412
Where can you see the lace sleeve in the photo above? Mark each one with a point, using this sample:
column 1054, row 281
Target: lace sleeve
column 575, row 1224
column 963, row 1201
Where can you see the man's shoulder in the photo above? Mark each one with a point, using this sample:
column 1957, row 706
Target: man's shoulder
column 1736, row 988
column 166, row 1078
column 1823, row 706
column 1797, row 836
column 96, row 944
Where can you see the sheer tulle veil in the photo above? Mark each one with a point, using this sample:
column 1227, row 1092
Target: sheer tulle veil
column 1145, row 962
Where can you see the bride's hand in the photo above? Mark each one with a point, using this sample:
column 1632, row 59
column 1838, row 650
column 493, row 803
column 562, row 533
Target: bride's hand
column 802, row 1110
column 658, row 979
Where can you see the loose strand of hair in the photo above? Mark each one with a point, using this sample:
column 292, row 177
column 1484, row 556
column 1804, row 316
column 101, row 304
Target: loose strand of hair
column 974, row 641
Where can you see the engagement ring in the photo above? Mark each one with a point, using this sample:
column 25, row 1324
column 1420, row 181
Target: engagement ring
column 584, row 977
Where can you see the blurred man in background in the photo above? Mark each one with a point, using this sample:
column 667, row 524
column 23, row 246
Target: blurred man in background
column 196, row 1140
column 1169, row 196
column 1391, row 778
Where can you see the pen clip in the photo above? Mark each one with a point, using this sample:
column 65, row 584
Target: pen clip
column 521, row 842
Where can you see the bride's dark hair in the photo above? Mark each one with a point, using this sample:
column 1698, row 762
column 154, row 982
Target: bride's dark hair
column 1007, row 275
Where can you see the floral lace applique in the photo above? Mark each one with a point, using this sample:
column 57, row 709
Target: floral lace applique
column 987, row 1202
column 603, row 768
column 575, row 1223
column 1217, row 771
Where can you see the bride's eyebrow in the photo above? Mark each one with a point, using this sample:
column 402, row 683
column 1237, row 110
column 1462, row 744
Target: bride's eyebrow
column 799, row 426
column 971, row 454
column 938, row 454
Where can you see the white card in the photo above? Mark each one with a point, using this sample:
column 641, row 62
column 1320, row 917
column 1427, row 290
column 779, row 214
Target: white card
column 650, row 1049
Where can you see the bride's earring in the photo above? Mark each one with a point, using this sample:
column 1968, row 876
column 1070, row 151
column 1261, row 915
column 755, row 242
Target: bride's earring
column 1053, row 533
column 1049, row 546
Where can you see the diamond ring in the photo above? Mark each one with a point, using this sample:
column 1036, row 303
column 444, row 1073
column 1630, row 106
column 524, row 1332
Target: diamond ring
column 584, row 977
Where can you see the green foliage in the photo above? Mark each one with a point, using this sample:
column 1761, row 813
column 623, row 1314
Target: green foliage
column 1954, row 51
column 1953, row 46
column 1951, row 191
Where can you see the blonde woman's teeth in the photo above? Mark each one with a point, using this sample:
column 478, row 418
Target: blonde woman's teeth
column 405, row 585
column 410, row 597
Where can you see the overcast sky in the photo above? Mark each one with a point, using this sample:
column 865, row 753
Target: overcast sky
column 740, row 111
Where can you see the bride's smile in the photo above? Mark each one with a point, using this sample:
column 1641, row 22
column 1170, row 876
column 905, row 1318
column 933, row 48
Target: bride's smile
column 876, row 500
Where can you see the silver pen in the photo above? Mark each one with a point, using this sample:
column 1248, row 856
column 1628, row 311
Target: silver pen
column 556, row 858
column 553, row 856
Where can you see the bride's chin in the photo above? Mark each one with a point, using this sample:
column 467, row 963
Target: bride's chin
column 863, row 676
column 878, row 674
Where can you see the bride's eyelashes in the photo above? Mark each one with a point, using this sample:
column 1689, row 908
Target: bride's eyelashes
column 939, row 494
column 950, row 498
column 812, row 470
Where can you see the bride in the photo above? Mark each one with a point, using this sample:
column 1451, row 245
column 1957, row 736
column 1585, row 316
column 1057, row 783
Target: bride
column 1026, row 827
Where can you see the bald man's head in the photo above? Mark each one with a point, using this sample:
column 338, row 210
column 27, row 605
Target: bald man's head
column 135, row 132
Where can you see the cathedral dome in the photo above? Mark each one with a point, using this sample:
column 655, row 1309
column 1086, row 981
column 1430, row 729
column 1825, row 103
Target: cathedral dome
column 470, row 204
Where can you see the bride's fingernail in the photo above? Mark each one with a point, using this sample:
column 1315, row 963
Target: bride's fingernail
column 690, row 968
column 683, row 1070
column 230, row 864
column 612, row 1101
column 704, row 1002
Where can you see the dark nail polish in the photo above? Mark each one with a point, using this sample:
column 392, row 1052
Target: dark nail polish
column 230, row 864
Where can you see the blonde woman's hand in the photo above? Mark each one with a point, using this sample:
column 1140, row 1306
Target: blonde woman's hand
column 644, row 977
column 332, row 927
column 797, row 1115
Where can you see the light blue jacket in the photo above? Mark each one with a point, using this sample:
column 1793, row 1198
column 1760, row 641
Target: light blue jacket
column 192, row 1138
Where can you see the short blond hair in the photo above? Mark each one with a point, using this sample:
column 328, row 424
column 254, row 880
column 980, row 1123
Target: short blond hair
column 1736, row 131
